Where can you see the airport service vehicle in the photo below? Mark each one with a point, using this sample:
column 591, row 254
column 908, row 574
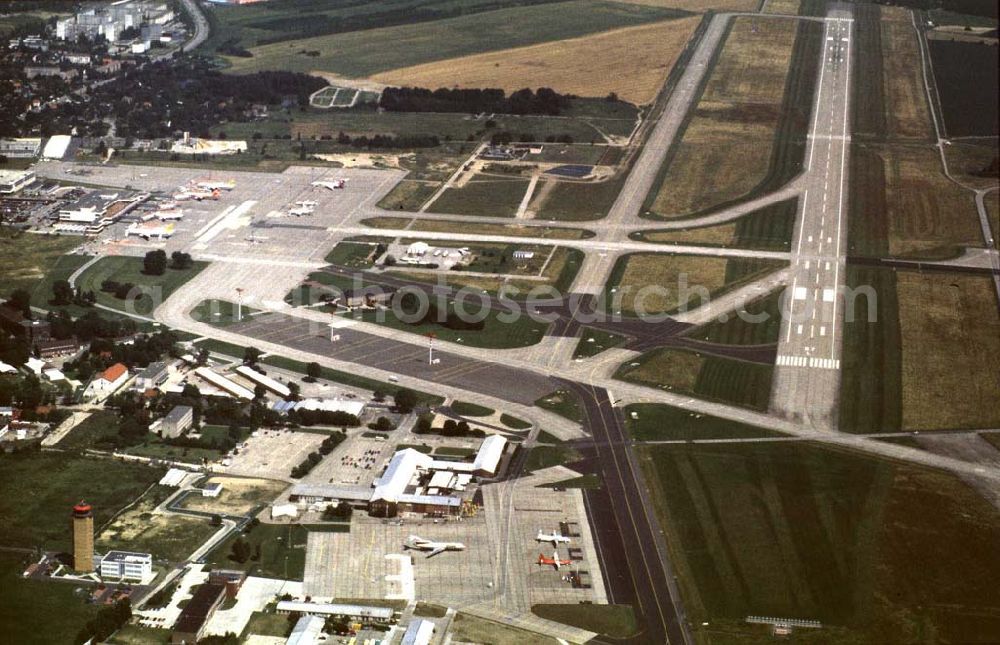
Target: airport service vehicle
column 418, row 543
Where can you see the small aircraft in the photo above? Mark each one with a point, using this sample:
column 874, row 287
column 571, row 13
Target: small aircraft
column 298, row 211
column 554, row 561
column 554, row 537
column 336, row 184
column 198, row 195
column 172, row 214
column 307, row 203
column 418, row 543
column 215, row 185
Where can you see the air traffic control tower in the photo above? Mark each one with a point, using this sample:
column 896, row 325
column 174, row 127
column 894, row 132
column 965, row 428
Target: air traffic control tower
column 83, row 537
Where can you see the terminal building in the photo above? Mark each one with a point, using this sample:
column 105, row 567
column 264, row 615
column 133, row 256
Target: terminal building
column 412, row 483
column 94, row 211
column 12, row 181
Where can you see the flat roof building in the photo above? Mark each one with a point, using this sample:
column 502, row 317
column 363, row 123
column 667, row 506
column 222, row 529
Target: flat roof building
column 307, row 630
column 190, row 625
column 418, row 632
column 151, row 376
column 269, row 383
column 357, row 612
column 20, row 148
column 12, row 181
column 226, row 385
column 125, row 565
column 179, row 419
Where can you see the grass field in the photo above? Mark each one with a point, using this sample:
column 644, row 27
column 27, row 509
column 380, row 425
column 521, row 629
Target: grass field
column 631, row 62
column 239, row 495
column 170, row 538
column 950, row 333
column 617, row 621
column 139, row 635
column 799, row 531
column 769, row 228
column 282, row 552
column 352, row 254
column 27, row 258
column 657, row 283
column 409, row 195
column 39, row 612
column 363, row 53
column 594, row 341
column 563, row 403
column 40, row 490
column 726, row 148
column 966, row 78
column 578, row 201
column 156, row 288
column 709, row 377
column 61, row 268
column 466, row 409
column 902, row 205
column 485, row 197
column 746, row 329
column 906, row 112
column 657, row 422
column 467, row 628
column 968, row 161
column 477, row 228
column 514, row 422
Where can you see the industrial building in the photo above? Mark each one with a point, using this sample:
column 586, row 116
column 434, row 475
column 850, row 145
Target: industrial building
column 152, row 376
column 418, row 632
column 177, row 421
column 222, row 383
column 190, row 625
column 83, row 537
column 12, row 181
column 359, row 613
column 20, row 148
column 269, row 383
column 124, row 565
column 326, row 405
column 307, row 630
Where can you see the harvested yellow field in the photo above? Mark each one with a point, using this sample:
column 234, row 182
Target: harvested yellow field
column 632, row 62
column 652, row 283
column 951, row 338
column 784, row 7
column 698, row 5
column 908, row 116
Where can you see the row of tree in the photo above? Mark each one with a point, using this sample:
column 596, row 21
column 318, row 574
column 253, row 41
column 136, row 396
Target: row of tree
column 474, row 101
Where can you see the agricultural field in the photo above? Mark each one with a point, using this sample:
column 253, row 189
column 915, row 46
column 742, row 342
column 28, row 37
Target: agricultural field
column 40, row 489
column 364, row 53
column 966, row 77
column 950, row 332
column 474, row 228
column 483, row 196
column 902, row 205
column 889, row 101
column 658, row 283
column 156, row 288
column 658, row 422
column 927, row 336
column 769, row 228
column 749, row 126
column 631, row 62
column 239, row 495
column 39, row 611
column 167, row 537
column 27, row 259
column 709, row 377
column 792, row 529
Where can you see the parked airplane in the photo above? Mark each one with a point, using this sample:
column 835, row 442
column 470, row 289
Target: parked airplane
column 172, row 214
column 335, row 184
column 186, row 194
column 418, row 543
column 554, row 537
column 229, row 184
column 298, row 211
column 307, row 203
column 554, row 561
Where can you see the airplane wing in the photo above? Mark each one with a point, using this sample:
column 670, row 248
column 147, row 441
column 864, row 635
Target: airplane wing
column 436, row 551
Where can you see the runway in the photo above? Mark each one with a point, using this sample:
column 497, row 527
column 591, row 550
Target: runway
column 807, row 373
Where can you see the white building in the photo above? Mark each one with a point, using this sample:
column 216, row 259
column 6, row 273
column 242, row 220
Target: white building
column 212, row 490
column 269, row 383
column 124, row 565
column 279, row 511
column 56, row 146
column 152, row 376
column 356, row 612
column 223, row 383
column 20, row 148
column 12, row 181
column 178, row 420
column 109, row 381
column 307, row 630
column 418, row 632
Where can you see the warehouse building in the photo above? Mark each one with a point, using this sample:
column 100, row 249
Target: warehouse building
column 269, row 383
column 359, row 613
column 190, row 625
column 222, row 383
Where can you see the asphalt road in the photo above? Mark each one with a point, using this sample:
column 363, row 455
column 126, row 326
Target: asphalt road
column 649, row 584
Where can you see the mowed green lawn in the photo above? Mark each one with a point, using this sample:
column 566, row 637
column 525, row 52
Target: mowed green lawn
column 157, row 288
column 654, row 421
column 879, row 552
column 282, row 551
column 40, row 489
column 363, row 53
column 39, row 611
column 26, row 258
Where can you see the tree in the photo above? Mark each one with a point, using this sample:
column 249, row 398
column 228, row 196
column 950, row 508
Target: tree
column 20, row 300
column 62, row 292
column 251, row 355
column 155, row 262
column 293, row 392
column 313, row 370
column 382, row 424
column 179, row 260
column 405, row 400
column 202, row 356
column 259, row 392
column 241, row 550
column 216, row 520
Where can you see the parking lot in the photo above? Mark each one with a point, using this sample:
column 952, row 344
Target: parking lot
column 273, row 453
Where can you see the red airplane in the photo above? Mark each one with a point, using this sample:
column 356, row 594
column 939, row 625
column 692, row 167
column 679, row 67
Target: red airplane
column 554, row 561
